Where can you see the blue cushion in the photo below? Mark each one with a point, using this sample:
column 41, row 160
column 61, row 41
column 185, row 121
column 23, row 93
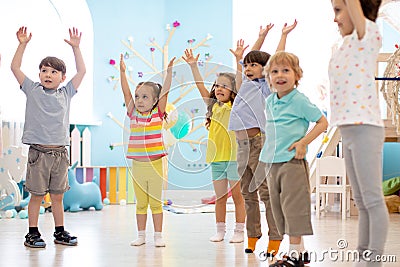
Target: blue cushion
column 391, row 160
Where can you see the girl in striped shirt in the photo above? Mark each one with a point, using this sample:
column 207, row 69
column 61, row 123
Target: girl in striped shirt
column 146, row 149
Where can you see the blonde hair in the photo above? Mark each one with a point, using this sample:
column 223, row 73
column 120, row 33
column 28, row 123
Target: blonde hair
column 283, row 57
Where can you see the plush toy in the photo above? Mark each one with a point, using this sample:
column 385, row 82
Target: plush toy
column 81, row 196
column 12, row 170
column 6, row 201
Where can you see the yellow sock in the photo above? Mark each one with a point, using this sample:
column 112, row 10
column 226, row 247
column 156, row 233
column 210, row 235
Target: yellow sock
column 273, row 246
column 251, row 244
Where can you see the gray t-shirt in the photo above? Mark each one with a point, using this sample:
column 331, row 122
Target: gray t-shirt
column 46, row 114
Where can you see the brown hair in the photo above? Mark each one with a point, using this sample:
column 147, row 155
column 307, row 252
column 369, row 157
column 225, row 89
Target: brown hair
column 370, row 8
column 283, row 57
column 213, row 99
column 54, row 63
column 256, row 56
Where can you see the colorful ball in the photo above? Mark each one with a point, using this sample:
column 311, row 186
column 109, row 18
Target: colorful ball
column 23, row 214
column 169, row 139
column 106, row 201
column 14, row 211
column 9, row 214
column 172, row 116
column 182, row 126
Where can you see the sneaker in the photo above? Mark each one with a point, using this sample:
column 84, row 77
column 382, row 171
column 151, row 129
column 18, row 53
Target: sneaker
column 288, row 262
column 34, row 241
column 64, row 238
column 292, row 261
column 306, row 260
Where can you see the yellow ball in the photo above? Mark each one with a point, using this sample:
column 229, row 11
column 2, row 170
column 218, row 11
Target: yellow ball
column 172, row 116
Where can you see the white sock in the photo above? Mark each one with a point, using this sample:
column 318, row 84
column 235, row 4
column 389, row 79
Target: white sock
column 158, row 240
column 238, row 234
column 140, row 240
column 219, row 236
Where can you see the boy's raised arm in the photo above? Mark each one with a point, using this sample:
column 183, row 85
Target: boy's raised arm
column 16, row 62
column 261, row 37
column 74, row 41
column 285, row 31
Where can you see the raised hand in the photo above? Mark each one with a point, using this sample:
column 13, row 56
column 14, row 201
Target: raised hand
column 240, row 48
column 189, row 58
column 170, row 64
column 122, row 66
column 264, row 31
column 22, row 35
column 287, row 29
column 74, row 37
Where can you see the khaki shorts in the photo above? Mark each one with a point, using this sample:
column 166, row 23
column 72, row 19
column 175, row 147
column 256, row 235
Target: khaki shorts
column 289, row 190
column 47, row 170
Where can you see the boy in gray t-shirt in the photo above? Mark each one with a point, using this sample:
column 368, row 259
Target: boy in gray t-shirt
column 46, row 130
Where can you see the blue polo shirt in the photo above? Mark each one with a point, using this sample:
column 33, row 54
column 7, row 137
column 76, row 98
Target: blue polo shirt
column 288, row 121
column 248, row 109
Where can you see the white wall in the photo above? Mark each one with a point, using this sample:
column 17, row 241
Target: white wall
column 311, row 41
column 48, row 20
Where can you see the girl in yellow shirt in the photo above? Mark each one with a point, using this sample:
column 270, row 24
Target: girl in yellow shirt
column 221, row 147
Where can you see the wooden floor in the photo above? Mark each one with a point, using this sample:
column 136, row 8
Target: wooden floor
column 104, row 238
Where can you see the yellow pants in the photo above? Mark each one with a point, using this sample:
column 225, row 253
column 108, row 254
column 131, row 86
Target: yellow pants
column 147, row 183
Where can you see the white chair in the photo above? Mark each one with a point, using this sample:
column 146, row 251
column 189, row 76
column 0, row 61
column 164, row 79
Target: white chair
column 332, row 166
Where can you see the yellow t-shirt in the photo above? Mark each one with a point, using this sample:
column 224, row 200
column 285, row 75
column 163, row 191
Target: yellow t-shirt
column 221, row 145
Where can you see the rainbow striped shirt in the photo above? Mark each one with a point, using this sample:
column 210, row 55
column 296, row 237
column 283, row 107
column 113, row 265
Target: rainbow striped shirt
column 145, row 139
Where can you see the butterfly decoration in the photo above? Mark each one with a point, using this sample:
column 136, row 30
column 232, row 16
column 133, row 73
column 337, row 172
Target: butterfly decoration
column 176, row 24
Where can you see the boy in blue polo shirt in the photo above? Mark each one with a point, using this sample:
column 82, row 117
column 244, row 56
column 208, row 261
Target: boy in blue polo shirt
column 289, row 113
column 247, row 120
